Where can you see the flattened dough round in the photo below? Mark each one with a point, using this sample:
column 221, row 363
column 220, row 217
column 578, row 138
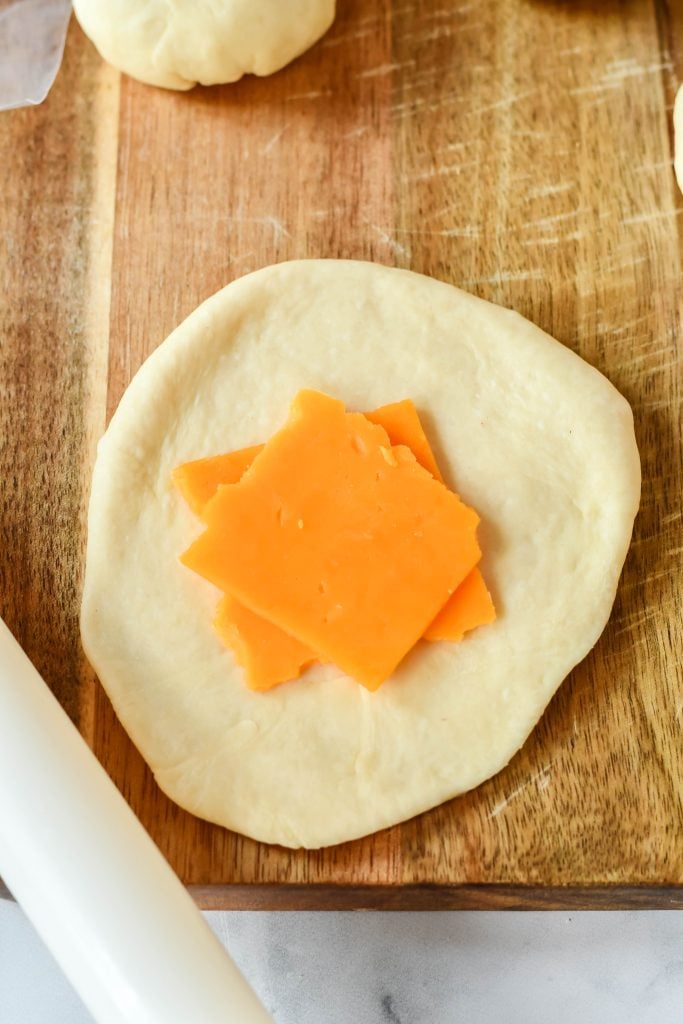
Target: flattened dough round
column 538, row 441
column 178, row 43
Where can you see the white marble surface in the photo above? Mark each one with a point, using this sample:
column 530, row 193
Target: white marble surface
column 445, row 968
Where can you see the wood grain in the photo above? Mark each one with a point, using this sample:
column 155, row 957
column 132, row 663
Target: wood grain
column 520, row 149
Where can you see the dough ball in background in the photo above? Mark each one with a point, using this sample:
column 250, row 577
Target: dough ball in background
column 179, row 43
column 678, row 137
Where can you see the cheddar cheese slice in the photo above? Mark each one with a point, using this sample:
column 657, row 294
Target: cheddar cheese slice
column 339, row 538
column 403, row 426
column 470, row 606
column 267, row 654
column 199, row 480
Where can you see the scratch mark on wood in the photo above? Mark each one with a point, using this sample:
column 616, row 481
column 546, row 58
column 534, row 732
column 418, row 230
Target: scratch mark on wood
column 452, row 146
column 275, row 138
column 643, row 218
column 602, row 86
column 573, row 236
column 630, row 68
column 384, row 69
column 645, row 357
column 617, row 71
column 395, row 246
column 313, row 95
column 532, row 134
column 468, row 231
column 655, row 166
column 550, row 190
column 437, row 172
column 278, row 228
column 557, row 217
column 328, row 44
column 235, row 261
column 444, row 31
column 635, row 620
column 504, row 275
column 334, row 211
column 356, row 133
column 542, row 780
column 505, row 102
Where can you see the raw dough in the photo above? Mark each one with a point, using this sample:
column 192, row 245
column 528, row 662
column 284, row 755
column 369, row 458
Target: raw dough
column 678, row 137
column 534, row 438
column 177, row 43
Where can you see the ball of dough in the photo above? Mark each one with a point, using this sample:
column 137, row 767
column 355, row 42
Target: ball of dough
column 179, row 43
column 538, row 441
column 678, row 137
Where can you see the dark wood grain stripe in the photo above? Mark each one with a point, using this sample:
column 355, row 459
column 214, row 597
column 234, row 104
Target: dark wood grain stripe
column 436, row 897
column 55, row 183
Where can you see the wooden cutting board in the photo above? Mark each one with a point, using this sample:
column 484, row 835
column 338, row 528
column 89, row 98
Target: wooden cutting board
column 520, row 149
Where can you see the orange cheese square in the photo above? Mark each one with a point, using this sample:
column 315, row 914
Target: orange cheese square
column 470, row 606
column 403, row 426
column 199, row 480
column 267, row 654
column 339, row 538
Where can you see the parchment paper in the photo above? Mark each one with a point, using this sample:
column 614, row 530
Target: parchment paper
column 32, row 34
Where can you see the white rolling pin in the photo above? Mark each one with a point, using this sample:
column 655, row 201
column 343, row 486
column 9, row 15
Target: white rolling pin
column 106, row 903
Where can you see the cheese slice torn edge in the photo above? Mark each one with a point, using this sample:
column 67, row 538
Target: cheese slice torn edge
column 330, row 479
column 470, row 606
column 268, row 655
column 199, row 480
